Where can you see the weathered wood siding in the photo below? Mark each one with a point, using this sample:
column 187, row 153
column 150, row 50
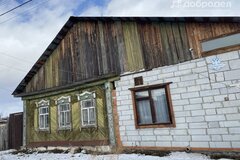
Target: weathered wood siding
column 3, row 137
column 15, row 130
column 76, row 134
column 95, row 48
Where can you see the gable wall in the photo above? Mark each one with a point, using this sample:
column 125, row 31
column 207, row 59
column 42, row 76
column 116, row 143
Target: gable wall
column 95, row 48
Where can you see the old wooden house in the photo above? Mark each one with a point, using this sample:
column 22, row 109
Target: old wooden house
column 136, row 82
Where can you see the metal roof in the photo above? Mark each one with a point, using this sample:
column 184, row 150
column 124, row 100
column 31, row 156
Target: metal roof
column 72, row 20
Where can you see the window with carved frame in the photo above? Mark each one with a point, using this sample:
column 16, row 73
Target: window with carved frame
column 64, row 112
column 43, row 115
column 88, row 109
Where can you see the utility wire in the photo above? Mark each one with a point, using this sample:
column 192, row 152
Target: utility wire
column 16, row 58
column 17, row 69
column 78, row 74
column 6, row 89
column 27, row 10
column 15, row 7
column 4, row 3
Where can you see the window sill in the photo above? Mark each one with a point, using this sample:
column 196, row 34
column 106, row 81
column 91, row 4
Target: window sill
column 89, row 126
column 156, row 126
column 43, row 130
column 64, row 128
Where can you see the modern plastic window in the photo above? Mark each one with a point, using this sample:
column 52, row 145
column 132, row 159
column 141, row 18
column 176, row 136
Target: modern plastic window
column 153, row 106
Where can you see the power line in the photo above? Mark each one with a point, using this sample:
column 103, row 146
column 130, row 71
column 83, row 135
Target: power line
column 78, row 74
column 16, row 58
column 4, row 3
column 15, row 7
column 27, row 10
column 6, row 89
column 17, row 69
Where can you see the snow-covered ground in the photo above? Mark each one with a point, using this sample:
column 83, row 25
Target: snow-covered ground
column 6, row 155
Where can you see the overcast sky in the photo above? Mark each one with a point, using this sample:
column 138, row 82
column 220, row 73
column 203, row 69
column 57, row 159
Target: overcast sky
column 26, row 32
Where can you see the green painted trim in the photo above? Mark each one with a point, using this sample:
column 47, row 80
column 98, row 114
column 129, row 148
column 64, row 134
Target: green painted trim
column 66, row 89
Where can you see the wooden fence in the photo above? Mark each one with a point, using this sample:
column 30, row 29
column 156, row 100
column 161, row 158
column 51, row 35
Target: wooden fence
column 3, row 135
column 15, row 130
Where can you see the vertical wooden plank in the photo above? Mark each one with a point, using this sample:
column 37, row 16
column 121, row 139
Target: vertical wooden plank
column 81, row 50
column 165, row 44
column 190, row 37
column 111, row 46
column 185, row 53
column 178, row 42
column 73, row 54
column 192, row 33
column 145, row 33
column 159, row 54
column 133, row 47
column 171, row 43
column 50, row 73
column 118, row 31
column 41, row 78
column 95, row 49
column 103, row 49
column 98, row 55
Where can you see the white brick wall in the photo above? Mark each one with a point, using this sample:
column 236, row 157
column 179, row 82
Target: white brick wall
column 203, row 117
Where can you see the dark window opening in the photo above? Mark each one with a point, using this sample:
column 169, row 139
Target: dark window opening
column 138, row 81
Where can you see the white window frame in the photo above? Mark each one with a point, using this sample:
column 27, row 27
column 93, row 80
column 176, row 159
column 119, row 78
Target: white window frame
column 43, row 104
column 86, row 96
column 60, row 102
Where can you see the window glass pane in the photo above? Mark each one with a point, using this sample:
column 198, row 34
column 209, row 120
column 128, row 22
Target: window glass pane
column 61, row 107
column 144, row 112
column 221, row 42
column 92, row 115
column 41, row 121
column 161, row 106
column 43, row 117
column 46, row 120
column 85, row 116
column 64, row 107
column 61, row 118
column 67, row 117
column 44, row 110
column 40, row 110
column 141, row 94
column 67, row 107
column 87, row 103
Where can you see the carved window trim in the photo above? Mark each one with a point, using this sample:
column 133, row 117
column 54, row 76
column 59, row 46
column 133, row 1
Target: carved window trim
column 43, row 115
column 83, row 98
column 64, row 113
